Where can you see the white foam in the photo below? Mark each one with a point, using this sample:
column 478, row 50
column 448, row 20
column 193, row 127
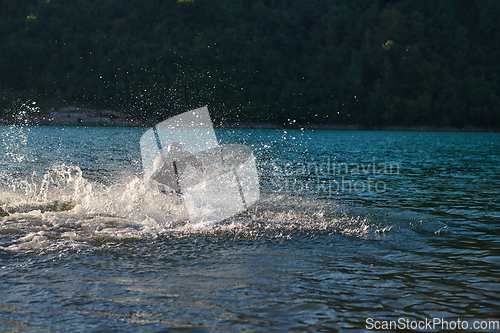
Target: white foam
column 63, row 210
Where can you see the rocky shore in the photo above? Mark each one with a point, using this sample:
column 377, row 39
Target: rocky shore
column 80, row 116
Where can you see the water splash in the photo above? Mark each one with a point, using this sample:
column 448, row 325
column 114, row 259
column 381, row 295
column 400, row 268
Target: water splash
column 60, row 211
column 55, row 190
column 14, row 144
column 23, row 112
column 61, row 208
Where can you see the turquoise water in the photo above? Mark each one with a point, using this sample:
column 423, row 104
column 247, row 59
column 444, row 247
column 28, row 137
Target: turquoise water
column 351, row 225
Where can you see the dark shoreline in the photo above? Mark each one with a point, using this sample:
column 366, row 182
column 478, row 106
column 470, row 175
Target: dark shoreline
column 466, row 129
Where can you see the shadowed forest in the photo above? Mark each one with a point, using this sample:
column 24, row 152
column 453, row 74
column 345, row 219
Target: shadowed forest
column 366, row 62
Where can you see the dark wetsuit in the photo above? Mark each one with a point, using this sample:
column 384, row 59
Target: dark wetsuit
column 174, row 164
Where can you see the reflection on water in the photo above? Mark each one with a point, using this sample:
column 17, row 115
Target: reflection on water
column 84, row 243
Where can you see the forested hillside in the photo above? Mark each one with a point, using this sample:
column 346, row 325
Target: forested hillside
column 368, row 62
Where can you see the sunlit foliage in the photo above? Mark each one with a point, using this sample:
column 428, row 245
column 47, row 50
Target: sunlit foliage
column 387, row 45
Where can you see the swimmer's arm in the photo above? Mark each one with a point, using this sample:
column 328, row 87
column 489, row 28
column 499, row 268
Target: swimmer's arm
column 158, row 162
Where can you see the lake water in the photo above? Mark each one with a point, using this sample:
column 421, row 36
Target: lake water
column 353, row 229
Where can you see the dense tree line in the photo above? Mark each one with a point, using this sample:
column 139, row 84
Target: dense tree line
column 368, row 62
